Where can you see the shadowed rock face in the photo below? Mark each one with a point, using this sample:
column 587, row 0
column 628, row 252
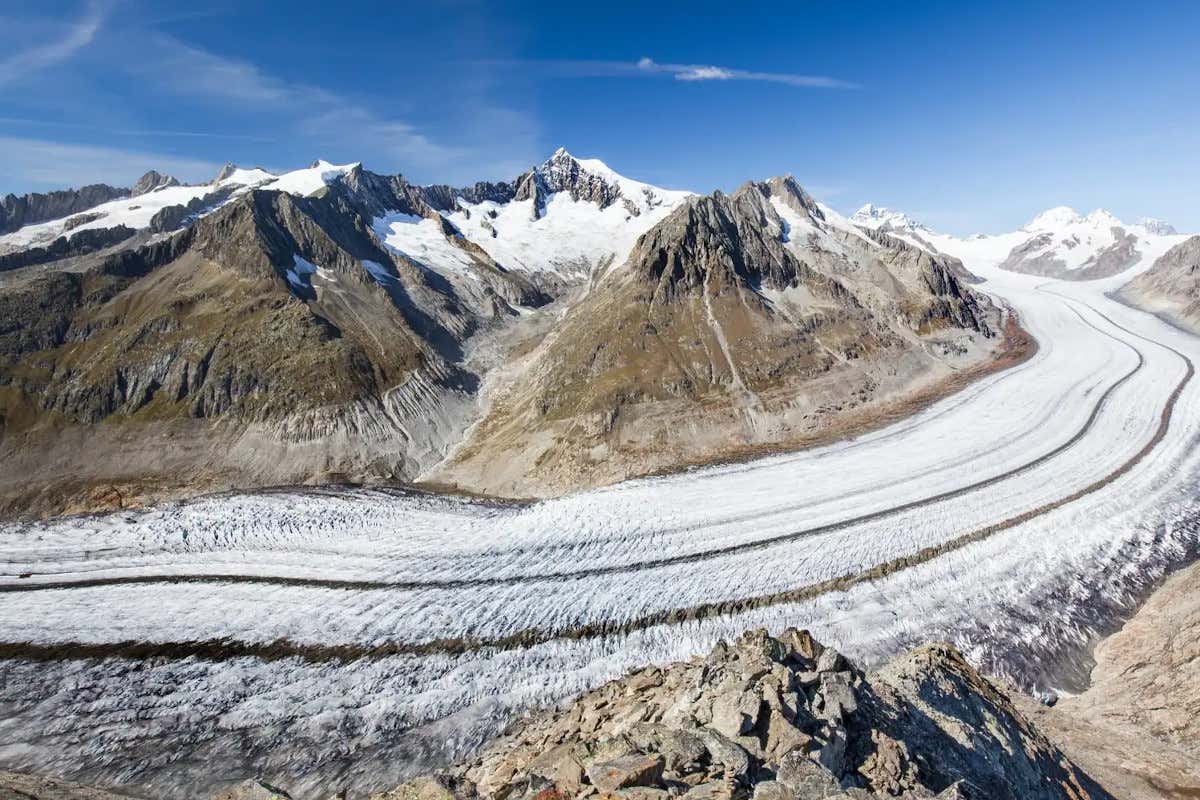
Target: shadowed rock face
column 77, row 244
column 279, row 318
column 1171, row 286
column 16, row 212
column 783, row 718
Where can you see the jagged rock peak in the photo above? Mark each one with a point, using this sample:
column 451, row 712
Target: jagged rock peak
column 732, row 239
column 152, row 181
column 562, row 172
column 789, row 192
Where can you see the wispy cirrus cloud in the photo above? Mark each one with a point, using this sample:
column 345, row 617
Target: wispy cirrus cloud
column 313, row 112
column 648, row 67
column 83, row 126
column 50, row 164
column 78, row 34
column 709, row 72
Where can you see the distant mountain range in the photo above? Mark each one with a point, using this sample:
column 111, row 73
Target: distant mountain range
column 1058, row 243
column 568, row 328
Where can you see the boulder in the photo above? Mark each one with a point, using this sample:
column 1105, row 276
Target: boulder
column 559, row 766
column 805, row 777
column 633, row 770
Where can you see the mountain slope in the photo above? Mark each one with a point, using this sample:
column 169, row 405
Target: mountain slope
column 273, row 341
column 528, row 337
column 737, row 322
column 1171, row 286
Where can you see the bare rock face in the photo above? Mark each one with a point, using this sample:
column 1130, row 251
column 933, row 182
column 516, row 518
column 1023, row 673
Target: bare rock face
column 16, row 212
column 1171, row 286
column 77, row 244
column 227, row 321
column 1137, row 726
column 152, row 181
column 779, row 719
column 750, row 316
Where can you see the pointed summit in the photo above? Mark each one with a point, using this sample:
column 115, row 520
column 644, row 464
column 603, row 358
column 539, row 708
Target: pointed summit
column 226, row 172
column 152, row 181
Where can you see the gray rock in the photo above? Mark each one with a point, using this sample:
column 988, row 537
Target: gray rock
column 830, row 660
column 711, row 790
column 735, row 714
column 805, row 777
column 727, row 753
column 832, row 754
column 835, row 697
column 152, row 181
column 773, row 790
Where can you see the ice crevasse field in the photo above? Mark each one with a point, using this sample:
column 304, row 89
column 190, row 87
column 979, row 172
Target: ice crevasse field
column 352, row 637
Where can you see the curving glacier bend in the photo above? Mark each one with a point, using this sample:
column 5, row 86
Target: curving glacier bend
column 344, row 638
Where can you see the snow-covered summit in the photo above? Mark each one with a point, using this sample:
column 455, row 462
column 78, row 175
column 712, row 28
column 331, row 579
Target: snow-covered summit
column 155, row 193
column 567, row 216
column 1157, row 227
column 1059, row 242
column 886, row 219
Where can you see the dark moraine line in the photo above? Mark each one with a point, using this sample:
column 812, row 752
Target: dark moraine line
column 224, row 649
column 615, row 569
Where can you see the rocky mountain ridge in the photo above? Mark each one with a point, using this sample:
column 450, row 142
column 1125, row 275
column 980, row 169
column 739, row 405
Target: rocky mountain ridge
column 201, row 314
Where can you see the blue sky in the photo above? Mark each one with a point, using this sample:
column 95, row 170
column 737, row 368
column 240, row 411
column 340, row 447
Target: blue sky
column 970, row 116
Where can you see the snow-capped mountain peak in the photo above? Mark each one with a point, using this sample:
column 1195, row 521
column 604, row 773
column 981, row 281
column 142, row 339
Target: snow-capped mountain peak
column 1054, row 219
column 884, row 218
column 1157, row 227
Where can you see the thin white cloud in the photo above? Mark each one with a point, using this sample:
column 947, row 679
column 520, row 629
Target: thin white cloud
column 41, row 164
column 79, row 34
column 314, row 112
column 81, row 126
column 709, row 72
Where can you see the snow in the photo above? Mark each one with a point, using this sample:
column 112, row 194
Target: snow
column 1071, row 238
column 304, row 182
column 422, row 240
column 136, row 212
column 300, row 275
column 571, row 239
column 872, row 216
column 1082, row 409
column 473, row 569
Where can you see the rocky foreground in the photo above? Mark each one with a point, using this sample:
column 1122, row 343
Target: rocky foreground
column 765, row 718
column 789, row 719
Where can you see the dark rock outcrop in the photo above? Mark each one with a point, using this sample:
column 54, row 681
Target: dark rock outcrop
column 17, row 212
column 77, row 244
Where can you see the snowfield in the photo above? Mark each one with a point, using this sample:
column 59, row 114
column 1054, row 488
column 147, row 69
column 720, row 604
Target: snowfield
column 345, row 638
